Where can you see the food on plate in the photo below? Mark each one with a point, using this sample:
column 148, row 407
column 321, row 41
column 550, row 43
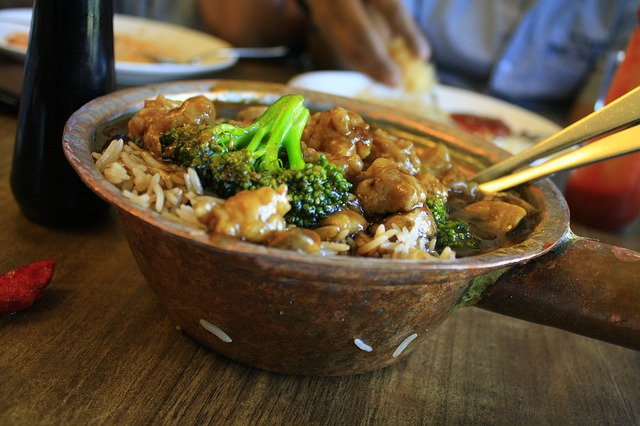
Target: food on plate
column 18, row 39
column 322, row 182
column 21, row 287
column 415, row 94
column 127, row 48
column 485, row 127
column 417, row 75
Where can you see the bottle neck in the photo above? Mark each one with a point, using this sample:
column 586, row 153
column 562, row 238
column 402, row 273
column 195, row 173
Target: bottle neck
column 74, row 37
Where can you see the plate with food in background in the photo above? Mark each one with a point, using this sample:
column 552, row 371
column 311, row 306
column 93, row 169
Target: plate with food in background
column 509, row 126
column 138, row 42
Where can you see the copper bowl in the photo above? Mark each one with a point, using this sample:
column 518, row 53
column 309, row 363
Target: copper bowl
column 291, row 313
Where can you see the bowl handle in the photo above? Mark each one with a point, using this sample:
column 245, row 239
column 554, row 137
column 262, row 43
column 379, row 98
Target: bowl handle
column 582, row 286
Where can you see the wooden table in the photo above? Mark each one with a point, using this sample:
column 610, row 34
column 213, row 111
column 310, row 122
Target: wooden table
column 99, row 349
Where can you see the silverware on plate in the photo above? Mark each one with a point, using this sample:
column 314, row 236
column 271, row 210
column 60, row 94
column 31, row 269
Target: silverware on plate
column 239, row 52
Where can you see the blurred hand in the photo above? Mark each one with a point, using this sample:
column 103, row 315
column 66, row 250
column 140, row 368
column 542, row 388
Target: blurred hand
column 359, row 32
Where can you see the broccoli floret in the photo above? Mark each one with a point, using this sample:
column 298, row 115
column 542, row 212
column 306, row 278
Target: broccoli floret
column 231, row 172
column 316, row 191
column 438, row 209
column 266, row 136
column 192, row 144
column 452, row 233
column 230, row 159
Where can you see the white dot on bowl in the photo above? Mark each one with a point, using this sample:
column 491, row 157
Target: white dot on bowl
column 404, row 345
column 215, row 330
column 362, row 345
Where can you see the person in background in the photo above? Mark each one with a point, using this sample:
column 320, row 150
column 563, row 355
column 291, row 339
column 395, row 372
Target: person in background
column 541, row 54
column 356, row 33
column 532, row 52
column 179, row 12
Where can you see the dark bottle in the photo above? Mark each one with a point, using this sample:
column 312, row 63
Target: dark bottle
column 69, row 61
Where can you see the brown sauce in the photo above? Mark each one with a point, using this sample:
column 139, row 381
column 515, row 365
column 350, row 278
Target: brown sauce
column 488, row 241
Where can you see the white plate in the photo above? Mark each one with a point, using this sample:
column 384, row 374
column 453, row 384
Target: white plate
column 158, row 37
column 14, row 22
column 442, row 101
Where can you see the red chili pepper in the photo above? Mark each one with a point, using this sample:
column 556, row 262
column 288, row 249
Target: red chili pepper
column 606, row 195
column 22, row 286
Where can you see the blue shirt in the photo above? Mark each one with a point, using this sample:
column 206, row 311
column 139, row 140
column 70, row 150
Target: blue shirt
column 523, row 49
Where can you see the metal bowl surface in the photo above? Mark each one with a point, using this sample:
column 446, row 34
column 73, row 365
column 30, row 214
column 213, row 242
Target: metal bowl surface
column 280, row 310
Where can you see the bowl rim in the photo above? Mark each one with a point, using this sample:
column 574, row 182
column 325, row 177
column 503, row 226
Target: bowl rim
column 79, row 132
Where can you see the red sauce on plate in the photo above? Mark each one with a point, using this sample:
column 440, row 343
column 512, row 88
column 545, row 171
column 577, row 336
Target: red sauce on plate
column 485, row 127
